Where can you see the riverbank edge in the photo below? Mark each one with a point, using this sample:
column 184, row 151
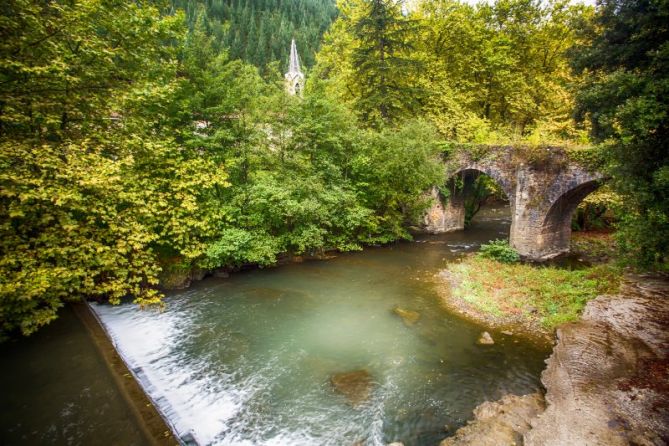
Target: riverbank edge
column 182, row 279
column 604, row 379
column 154, row 426
column 522, row 328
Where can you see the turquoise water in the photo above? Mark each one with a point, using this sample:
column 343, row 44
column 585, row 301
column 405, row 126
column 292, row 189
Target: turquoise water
column 249, row 360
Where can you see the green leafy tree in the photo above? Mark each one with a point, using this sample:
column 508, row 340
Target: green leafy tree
column 498, row 72
column 626, row 101
column 92, row 183
column 393, row 172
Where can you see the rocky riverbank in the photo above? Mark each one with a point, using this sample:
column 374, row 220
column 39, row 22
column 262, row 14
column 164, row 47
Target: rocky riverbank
column 607, row 381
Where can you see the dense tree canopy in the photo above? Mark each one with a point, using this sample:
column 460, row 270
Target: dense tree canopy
column 133, row 150
column 260, row 31
column 485, row 73
column 91, row 183
column 626, row 100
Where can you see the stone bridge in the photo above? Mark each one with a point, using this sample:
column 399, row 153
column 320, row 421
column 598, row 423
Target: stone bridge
column 543, row 186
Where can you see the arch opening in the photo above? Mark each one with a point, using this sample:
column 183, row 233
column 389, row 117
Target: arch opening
column 558, row 219
column 562, row 209
column 478, row 190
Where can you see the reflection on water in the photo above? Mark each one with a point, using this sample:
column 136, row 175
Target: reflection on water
column 248, row 360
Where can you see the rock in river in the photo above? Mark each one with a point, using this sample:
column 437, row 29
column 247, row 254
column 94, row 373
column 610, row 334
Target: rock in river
column 356, row 386
column 486, row 339
column 409, row 317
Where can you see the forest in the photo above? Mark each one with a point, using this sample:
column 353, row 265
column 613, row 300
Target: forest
column 142, row 142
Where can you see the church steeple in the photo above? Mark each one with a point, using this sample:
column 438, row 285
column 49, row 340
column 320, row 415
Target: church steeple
column 294, row 76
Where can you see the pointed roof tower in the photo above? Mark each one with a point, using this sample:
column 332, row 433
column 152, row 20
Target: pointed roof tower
column 294, row 76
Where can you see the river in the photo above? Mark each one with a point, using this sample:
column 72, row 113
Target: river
column 248, row 360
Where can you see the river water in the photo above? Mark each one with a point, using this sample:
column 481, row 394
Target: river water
column 55, row 389
column 248, row 360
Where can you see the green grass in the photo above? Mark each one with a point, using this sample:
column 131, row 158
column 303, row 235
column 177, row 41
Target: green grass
column 545, row 294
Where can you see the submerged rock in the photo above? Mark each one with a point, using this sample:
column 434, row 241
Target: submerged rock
column 503, row 422
column 485, row 339
column 409, row 317
column 356, row 386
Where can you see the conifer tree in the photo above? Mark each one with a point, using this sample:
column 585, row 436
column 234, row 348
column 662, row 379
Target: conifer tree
column 383, row 62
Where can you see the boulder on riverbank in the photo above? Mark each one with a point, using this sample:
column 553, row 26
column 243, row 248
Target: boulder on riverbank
column 607, row 380
column 409, row 317
column 356, row 386
column 503, row 422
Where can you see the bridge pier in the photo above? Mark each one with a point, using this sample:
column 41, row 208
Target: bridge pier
column 542, row 198
column 445, row 215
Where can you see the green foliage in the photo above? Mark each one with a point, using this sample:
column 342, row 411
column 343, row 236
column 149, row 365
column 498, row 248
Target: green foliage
column 594, row 158
column 238, row 247
column 625, row 101
column 546, row 296
column 499, row 250
column 393, row 172
column 92, row 183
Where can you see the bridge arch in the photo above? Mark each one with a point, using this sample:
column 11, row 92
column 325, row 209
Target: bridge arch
column 562, row 208
column 499, row 176
column 556, row 224
column 542, row 196
column 449, row 214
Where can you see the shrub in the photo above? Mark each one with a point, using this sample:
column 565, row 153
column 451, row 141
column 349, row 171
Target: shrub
column 499, row 250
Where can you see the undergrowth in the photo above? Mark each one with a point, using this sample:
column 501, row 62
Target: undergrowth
column 546, row 294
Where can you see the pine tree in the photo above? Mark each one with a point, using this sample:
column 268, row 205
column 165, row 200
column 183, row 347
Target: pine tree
column 259, row 31
column 383, row 62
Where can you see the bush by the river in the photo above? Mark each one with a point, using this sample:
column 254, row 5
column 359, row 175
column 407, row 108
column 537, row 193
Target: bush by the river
column 499, row 250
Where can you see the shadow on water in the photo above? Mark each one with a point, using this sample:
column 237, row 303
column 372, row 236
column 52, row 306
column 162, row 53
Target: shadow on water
column 56, row 390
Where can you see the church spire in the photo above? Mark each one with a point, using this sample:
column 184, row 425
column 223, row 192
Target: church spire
column 294, row 76
column 294, row 59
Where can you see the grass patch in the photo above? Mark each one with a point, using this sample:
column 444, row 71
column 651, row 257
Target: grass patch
column 547, row 295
